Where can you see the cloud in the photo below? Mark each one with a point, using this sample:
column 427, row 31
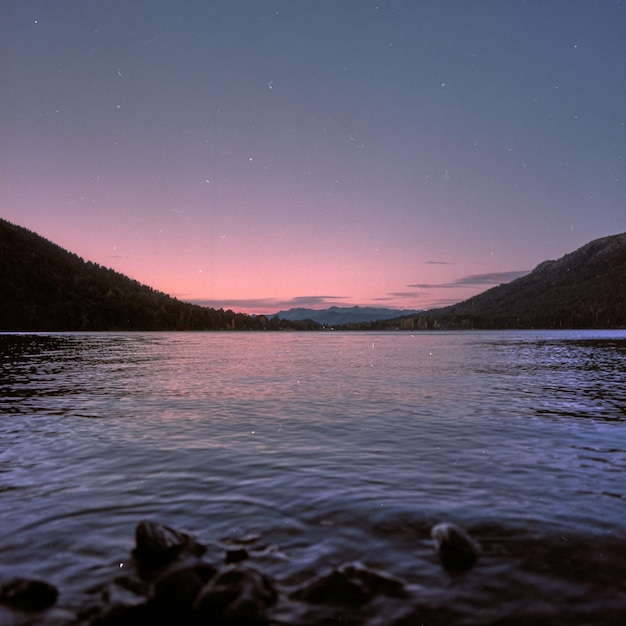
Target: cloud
column 394, row 295
column 271, row 304
column 438, row 263
column 474, row 280
column 312, row 300
column 493, row 278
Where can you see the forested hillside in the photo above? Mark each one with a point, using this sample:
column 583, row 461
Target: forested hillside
column 46, row 288
column 583, row 289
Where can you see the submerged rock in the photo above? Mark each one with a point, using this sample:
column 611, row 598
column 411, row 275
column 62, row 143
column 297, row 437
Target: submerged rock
column 171, row 574
column 457, row 550
column 28, row 594
column 350, row 585
column 238, row 596
column 158, row 545
column 172, row 585
column 168, row 600
column 127, row 615
column 175, row 592
column 236, row 555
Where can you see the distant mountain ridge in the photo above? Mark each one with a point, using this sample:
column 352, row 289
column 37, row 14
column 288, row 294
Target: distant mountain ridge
column 334, row 315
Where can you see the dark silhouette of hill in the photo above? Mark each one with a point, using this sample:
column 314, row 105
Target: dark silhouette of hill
column 583, row 289
column 46, row 288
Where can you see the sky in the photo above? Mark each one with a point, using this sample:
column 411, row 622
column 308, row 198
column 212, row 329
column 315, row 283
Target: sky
column 259, row 155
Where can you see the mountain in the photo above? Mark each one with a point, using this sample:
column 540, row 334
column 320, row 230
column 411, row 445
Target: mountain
column 335, row 316
column 583, row 289
column 46, row 288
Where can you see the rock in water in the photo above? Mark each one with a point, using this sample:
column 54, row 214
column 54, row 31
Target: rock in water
column 174, row 593
column 351, row 584
column 236, row 555
column 158, row 545
column 239, row 596
column 457, row 550
column 29, row 595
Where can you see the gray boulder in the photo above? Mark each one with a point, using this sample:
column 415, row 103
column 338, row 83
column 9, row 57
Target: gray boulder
column 457, row 550
column 158, row 545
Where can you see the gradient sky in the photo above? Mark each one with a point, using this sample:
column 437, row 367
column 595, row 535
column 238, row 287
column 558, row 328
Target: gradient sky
column 263, row 154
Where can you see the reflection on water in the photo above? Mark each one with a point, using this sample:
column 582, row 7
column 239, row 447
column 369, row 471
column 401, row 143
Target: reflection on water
column 328, row 447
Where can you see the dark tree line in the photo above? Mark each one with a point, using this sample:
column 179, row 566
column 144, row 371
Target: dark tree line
column 46, row 288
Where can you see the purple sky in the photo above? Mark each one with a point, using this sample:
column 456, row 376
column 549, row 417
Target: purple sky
column 263, row 154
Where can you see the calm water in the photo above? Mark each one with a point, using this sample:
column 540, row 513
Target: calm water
column 321, row 448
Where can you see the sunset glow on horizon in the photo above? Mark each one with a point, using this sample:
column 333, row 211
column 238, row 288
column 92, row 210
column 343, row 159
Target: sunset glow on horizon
column 262, row 155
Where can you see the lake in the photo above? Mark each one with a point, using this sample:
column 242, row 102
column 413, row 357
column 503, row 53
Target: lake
column 317, row 449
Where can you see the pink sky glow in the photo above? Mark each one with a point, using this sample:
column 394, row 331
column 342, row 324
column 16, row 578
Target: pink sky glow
column 263, row 155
